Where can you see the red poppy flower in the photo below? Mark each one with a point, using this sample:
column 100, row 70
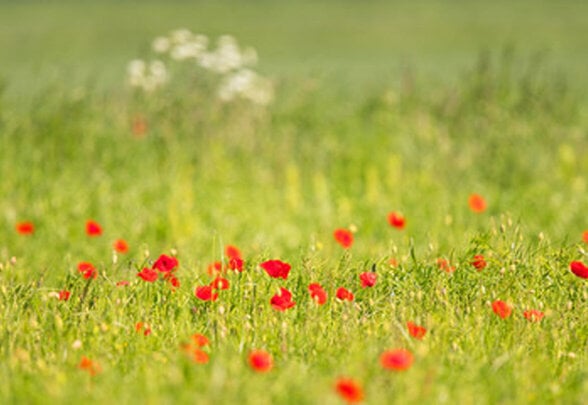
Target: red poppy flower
column 214, row 268
column 172, row 280
column 501, row 308
column 200, row 356
column 344, row 294
column 368, row 279
column 533, row 315
column 90, row 366
column 317, row 293
column 232, row 252
column 142, row 327
column 343, row 237
column 276, row 268
column 416, row 331
column 25, row 228
column 85, row 266
column 165, row 263
column 220, row 283
column 282, row 301
column 585, row 236
column 87, row 270
column 477, row 203
column 444, row 265
column 205, row 293
column 93, row 228
column 64, row 295
column 349, row 390
column 200, row 340
column 397, row 360
column 148, row 275
column 120, row 246
column 260, row 361
column 478, row 262
column 236, row 263
column 139, row 127
column 579, row 269
column 396, row 220
column 122, row 283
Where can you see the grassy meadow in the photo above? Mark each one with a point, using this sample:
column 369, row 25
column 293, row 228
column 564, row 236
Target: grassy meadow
column 378, row 108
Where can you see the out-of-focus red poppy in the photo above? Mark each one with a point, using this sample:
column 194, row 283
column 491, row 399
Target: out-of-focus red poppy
column 276, row 268
column 93, row 228
column 397, row 360
column 25, row 228
column 396, row 220
column 260, row 361
column 349, row 390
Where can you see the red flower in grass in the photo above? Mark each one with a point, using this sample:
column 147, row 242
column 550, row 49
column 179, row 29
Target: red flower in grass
column 477, row 203
column 197, row 355
column 396, row 220
column 276, row 268
column 533, row 315
column 368, row 279
column 343, row 237
column 397, row 360
column 165, row 263
column 220, row 283
column 148, row 275
column 64, row 295
column 317, row 293
column 585, row 236
column 205, row 293
column 121, row 246
column 214, row 268
column 416, row 331
column 502, row 309
column 260, row 361
column 478, row 262
column 93, row 228
column 579, row 269
column 88, row 270
column 232, row 252
column 236, row 264
column 141, row 327
column 200, row 356
column 173, row 281
column 139, row 127
column 122, row 283
column 349, row 390
column 200, row 340
column 344, row 294
column 444, row 265
column 25, row 228
column 282, row 301
column 90, row 366
column 235, row 259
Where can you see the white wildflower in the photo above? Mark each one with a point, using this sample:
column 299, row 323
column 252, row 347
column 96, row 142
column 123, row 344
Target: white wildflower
column 248, row 85
column 161, row 45
column 147, row 76
column 180, row 36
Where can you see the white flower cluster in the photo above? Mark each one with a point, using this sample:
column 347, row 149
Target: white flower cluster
column 228, row 60
column 148, row 76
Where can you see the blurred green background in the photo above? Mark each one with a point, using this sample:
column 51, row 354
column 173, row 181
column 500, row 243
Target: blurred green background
column 361, row 42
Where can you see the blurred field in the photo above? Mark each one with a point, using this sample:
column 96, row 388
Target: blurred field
column 355, row 41
column 379, row 107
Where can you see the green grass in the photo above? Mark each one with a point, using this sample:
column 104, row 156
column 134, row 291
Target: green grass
column 277, row 182
column 355, row 41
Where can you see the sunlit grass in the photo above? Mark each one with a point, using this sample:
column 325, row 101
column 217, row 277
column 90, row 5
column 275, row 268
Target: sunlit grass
column 277, row 182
